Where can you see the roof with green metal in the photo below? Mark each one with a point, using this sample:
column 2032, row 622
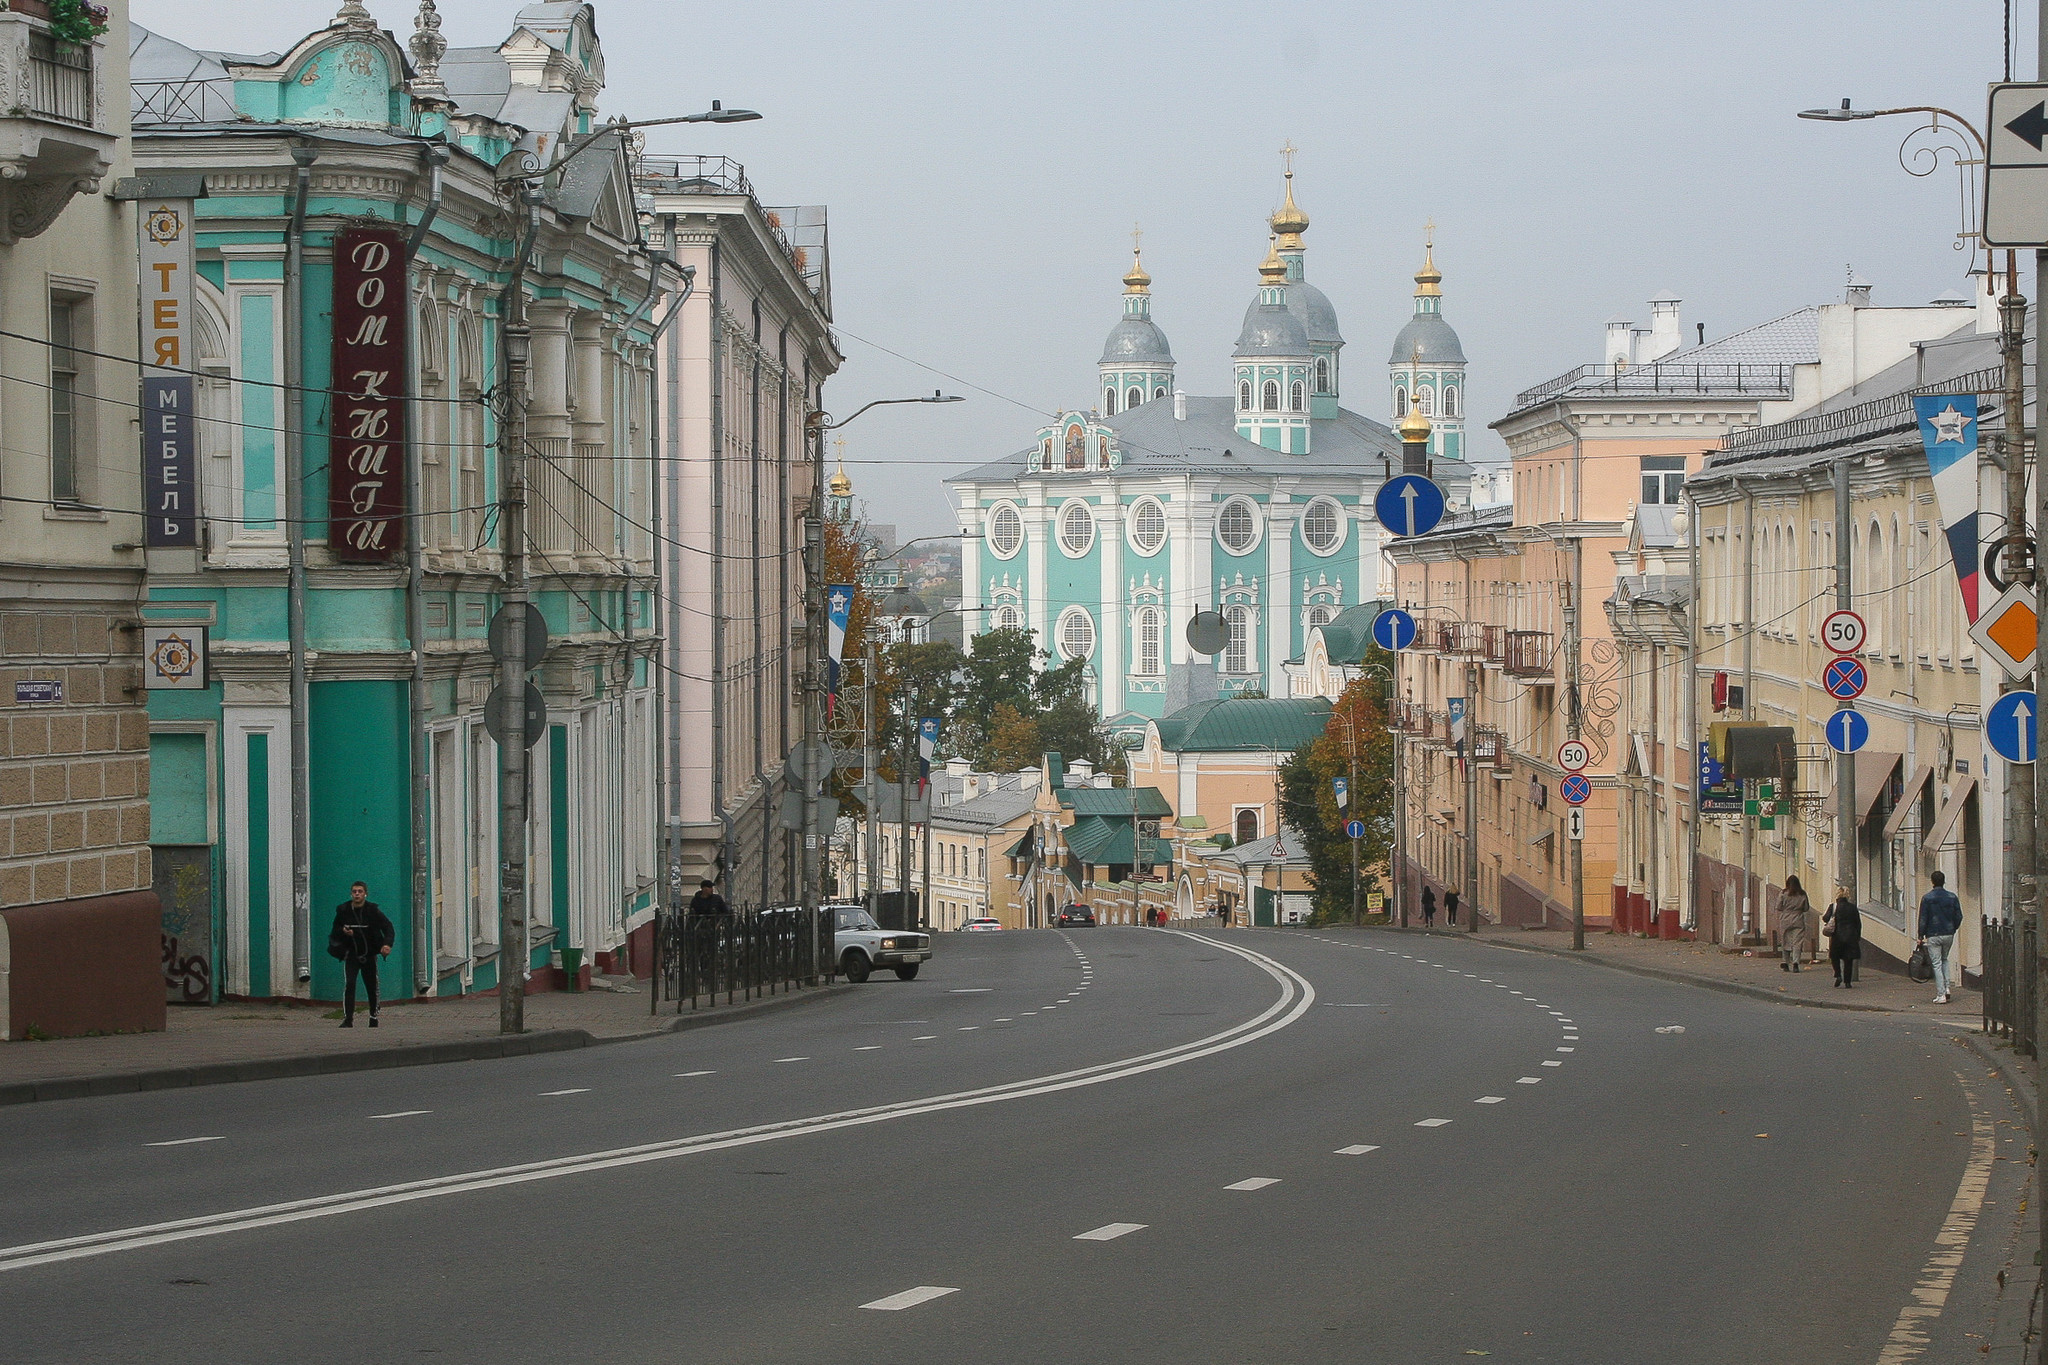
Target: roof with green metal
column 1347, row 636
column 1244, row 724
column 1104, row 840
column 1145, row 801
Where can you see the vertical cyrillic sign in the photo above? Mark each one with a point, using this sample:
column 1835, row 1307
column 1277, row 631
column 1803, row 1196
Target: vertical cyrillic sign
column 170, row 452
column 366, row 447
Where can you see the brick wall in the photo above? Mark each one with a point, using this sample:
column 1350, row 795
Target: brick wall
column 74, row 775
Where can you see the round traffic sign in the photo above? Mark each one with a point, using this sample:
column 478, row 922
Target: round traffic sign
column 1573, row 755
column 1844, row 632
column 1845, row 678
column 1409, row 505
column 1207, row 632
column 1576, row 789
column 1847, row 731
column 2013, row 726
column 1354, row 829
column 1393, row 629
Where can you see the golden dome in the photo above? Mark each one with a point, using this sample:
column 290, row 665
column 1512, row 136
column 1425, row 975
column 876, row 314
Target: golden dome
column 1137, row 282
column 1414, row 428
column 1429, row 277
column 1273, row 270
column 1289, row 222
column 841, row 486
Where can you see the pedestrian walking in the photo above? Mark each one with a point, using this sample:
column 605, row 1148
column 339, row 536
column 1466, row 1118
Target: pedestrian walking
column 361, row 935
column 1843, row 924
column 1941, row 915
column 1428, row 907
column 1795, row 925
column 707, row 901
column 1451, row 907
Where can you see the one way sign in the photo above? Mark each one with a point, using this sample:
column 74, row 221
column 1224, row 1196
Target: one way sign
column 2016, row 169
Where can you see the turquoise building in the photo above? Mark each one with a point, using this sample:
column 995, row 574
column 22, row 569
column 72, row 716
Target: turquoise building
column 350, row 132
column 1118, row 524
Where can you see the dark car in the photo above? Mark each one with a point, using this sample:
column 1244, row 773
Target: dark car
column 1075, row 915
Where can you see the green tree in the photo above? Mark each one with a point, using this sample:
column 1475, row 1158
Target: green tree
column 1357, row 731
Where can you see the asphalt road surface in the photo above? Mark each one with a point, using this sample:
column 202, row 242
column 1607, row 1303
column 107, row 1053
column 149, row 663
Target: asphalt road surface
column 1122, row 1145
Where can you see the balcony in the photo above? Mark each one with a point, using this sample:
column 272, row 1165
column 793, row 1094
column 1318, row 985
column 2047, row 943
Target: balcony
column 55, row 141
column 1491, row 748
column 1764, row 380
column 1408, row 717
column 1462, row 639
column 1528, row 654
column 1495, row 644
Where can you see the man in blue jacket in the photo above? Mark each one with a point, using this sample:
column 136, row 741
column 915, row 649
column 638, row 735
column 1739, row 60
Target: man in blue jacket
column 1941, row 915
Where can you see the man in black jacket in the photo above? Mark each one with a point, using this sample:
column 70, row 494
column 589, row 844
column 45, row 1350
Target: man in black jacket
column 360, row 936
column 707, row 901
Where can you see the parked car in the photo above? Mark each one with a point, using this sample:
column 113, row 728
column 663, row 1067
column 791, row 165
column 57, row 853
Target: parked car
column 981, row 926
column 862, row 945
column 1075, row 915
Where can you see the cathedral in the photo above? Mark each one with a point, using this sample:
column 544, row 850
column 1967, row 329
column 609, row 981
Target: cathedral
column 1118, row 524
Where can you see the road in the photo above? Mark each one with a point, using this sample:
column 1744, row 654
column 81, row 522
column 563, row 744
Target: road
column 1110, row 1144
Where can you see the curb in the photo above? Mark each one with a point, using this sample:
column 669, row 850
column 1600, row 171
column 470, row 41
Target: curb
column 381, row 1059
column 2006, row 1063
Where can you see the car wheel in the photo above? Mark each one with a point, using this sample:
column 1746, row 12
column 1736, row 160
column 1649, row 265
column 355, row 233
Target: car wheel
column 854, row 967
column 908, row 973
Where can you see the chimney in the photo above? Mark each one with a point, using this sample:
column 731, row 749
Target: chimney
column 1180, row 405
column 1621, row 346
column 1665, row 336
column 1857, row 295
column 959, row 767
column 1079, row 772
column 1101, row 780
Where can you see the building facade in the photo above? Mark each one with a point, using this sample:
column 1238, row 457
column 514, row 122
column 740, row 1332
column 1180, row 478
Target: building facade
column 80, row 928
column 346, row 173
column 1117, row 525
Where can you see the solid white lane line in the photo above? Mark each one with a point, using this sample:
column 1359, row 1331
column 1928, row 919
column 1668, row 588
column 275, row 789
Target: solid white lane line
column 1257, row 1182
column 780, row 1060
column 910, row 1298
column 1490, row 1099
column 185, row 1142
column 402, row 1114
column 1529, row 1080
column 696, row 1073
column 579, row 1090
column 1109, row 1232
column 1297, row 996
column 1360, row 1149
column 1432, row 1123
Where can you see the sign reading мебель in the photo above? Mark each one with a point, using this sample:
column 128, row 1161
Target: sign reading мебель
column 366, row 446
column 170, row 452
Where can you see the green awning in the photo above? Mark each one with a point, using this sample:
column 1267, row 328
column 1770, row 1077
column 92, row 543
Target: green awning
column 1022, row 848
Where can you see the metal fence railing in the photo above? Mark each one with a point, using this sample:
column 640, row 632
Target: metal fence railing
column 2009, row 983
column 703, row 959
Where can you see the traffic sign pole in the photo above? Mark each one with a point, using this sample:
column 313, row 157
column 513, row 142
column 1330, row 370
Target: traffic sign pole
column 1845, row 763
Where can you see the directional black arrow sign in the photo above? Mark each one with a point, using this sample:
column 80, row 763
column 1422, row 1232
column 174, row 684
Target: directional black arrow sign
column 2032, row 126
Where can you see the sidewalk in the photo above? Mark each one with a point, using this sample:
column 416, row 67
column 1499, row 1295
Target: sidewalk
column 208, row 1045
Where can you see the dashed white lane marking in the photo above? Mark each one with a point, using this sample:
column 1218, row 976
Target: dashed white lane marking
column 1557, row 1014
column 780, row 1060
column 1514, row 992
column 1571, row 1037
column 1432, row 1123
column 926, row 1038
column 1359, row 1149
column 696, row 1073
column 910, row 1298
column 969, row 1028
column 1257, row 1182
column 1031, row 1011
column 186, row 1142
column 1553, row 1064
column 1006, row 1021
column 578, row 1090
column 970, row 990
column 1567, row 1049
column 865, row 1047
column 1109, row 1232
column 1490, row 1099
column 1529, row 1080
column 403, row 1114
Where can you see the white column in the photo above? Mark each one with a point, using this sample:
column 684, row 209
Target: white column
column 1109, row 535
column 1278, row 598
column 973, row 592
column 1035, row 550
column 1180, row 596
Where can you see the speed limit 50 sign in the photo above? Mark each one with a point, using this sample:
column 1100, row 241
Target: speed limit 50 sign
column 1573, row 755
column 1844, row 632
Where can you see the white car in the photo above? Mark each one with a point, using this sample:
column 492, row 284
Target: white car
column 862, row 945
column 981, row 926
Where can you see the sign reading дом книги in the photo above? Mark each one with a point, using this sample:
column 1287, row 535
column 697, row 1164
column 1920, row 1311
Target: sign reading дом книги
column 366, row 447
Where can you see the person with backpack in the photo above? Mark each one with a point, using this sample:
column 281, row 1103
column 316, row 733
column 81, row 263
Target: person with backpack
column 361, row 934
column 1941, row 917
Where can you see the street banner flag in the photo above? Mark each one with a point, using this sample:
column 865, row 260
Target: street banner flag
column 1948, row 429
column 1455, row 706
column 1342, row 789
column 838, row 607
column 927, row 745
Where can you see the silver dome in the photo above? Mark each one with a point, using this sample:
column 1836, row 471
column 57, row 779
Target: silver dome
column 1437, row 342
column 1270, row 329
column 1318, row 315
column 1136, row 341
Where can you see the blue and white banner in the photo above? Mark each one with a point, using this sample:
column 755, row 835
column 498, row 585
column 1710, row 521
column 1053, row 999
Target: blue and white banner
column 1948, row 429
column 838, row 608
column 927, row 745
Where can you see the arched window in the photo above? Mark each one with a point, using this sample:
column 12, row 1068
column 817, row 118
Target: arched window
column 1237, row 653
column 1244, row 395
column 1323, row 374
column 1899, row 580
column 1400, row 400
column 1297, row 397
column 1077, row 633
column 1322, row 526
column 1077, row 447
column 1005, row 530
column 1319, row 616
column 1269, row 396
column 1874, row 584
column 1425, row 400
column 1450, row 400
column 1133, row 398
column 1247, row 826
column 1159, row 392
column 1149, row 636
column 1148, row 526
column 1009, row 618
column 1109, row 402
column 1077, row 528
column 1237, row 525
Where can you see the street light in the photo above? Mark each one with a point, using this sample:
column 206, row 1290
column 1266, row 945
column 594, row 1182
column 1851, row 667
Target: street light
column 1846, row 114
column 528, row 165
column 822, row 421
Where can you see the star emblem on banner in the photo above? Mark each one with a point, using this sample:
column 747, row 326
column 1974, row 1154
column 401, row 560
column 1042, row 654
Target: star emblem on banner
column 1948, row 425
column 839, row 601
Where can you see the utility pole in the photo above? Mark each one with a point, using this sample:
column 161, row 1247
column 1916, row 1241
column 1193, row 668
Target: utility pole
column 1571, row 723
column 871, row 781
column 1400, row 915
column 810, row 896
column 1845, row 764
column 905, row 767
column 1351, row 729
column 1472, row 796
column 295, row 569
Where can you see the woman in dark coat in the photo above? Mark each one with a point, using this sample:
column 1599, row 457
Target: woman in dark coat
column 1428, row 907
column 1843, row 924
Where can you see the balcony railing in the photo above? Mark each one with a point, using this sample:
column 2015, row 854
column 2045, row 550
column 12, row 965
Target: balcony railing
column 1756, row 381
column 1491, row 747
column 693, row 175
column 1496, row 644
column 1409, row 717
column 59, row 79
column 1528, row 654
column 1466, row 639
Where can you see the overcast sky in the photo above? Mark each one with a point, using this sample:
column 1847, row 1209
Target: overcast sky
column 983, row 165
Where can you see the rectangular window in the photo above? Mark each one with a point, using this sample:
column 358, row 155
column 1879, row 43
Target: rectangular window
column 70, row 395
column 1663, row 479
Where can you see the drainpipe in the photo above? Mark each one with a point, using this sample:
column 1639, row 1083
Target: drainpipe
column 303, row 158
column 1689, row 914
column 718, row 755
column 435, row 154
column 630, row 384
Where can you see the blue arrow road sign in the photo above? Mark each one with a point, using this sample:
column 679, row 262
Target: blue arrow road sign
column 2013, row 726
column 1848, row 731
column 1575, row 789
column 1393, row 629
column 1355, row 829
column 1409, row 505
column 1845, row 679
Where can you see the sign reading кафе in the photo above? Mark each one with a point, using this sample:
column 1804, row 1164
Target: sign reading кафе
column 366, row 447
column 170, row 453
